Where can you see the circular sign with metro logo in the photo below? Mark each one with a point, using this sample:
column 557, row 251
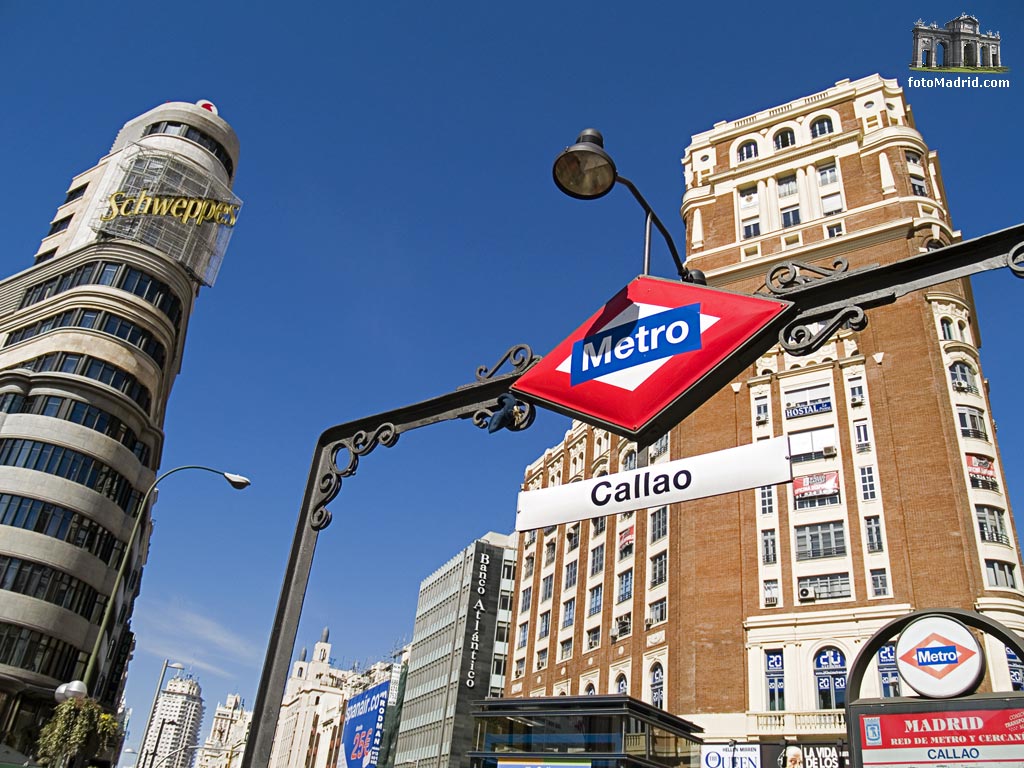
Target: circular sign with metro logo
column 939, row 657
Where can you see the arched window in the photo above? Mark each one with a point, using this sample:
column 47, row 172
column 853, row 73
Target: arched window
column 589, row 691
column 830, row 677
column 621, row 685
column 947, row 328
column 821, row 127
column 888, row 674
column 962, row 334
column 747, row 151
column 629, row 460
column 785, row 138
column 1016, row 670
column 933, row 245
column 963, row 377
column 658, row 685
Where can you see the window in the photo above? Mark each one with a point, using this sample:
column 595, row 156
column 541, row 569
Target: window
column 542, row 658
column 879, row 582
column 27, row 649
column 62, row 524
column 623, row 625
column 820, row 540
column 769, row 547
column 569, row 612
column 522, row 635
column 549, row 553
column 658, row 611
column 830, row 675
column 962, row 375
column 946, row 325
column 597, row 525
column 766, row 497
column 659, row 569
column 775, row 678
column 827, row 175
column 748, row 198
column 626, row 539
column 544, row 624
column 821, row 127
column 808, row 401
column 868, row 492
column 812, row 444
column 75, row 194
column 597, row 560
column 658, row 447
column 770, row 587
column 658, row 685
column 547, row 587
column 888, row 674
column 590, row 690
column 787, row 186
column 982, row 472
column 912, row 156
column 817, row 490
column 570, row 574
column 1000, row 574
column 59, row 225
column 201, row 138
column 528, row 566
column 525, row 600
column 593, row 637
column 573, row 537
column 520, row 667
column 565, row 649
column 594, row 601
column 531, row 538
column 834, row 230
column 992, row 524
column 761, row 410
column 751, row 228
column 629, row 460
column 747, row 151
column 857, row 390
column 785, row 138
column 621, row 685
column 831, row 204
column 625, row 585
column 972, row 422
column 659, row 524
column 873, row 533
column 790, row 216
column 1013, row 662
column 917, row 186
column 830, row 586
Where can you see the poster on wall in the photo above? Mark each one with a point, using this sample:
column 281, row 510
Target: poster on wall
column 364, row 724
column 801, row 755
column 730, row 756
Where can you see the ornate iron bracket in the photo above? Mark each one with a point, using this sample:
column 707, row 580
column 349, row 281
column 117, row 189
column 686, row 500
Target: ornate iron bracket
column 790, row 276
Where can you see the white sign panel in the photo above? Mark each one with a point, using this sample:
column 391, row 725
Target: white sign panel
column 939, row 657
column 735, row 756
column 765, row 462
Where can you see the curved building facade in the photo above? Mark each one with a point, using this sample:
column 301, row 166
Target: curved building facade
column 91, row 340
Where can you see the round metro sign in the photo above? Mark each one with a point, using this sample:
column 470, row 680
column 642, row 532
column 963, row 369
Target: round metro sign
column 938, row 657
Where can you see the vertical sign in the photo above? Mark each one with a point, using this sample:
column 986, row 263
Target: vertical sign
column 364, row 723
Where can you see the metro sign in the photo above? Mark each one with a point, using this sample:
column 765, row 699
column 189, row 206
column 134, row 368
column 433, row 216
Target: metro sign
column 939, row 657
column 652, row 355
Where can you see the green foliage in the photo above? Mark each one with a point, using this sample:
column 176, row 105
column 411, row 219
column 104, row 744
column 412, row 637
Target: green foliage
column 79, row 727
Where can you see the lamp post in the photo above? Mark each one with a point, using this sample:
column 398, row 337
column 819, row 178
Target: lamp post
column 156, row 694
column 237, row 481
column 586, row 171
column 156, row 746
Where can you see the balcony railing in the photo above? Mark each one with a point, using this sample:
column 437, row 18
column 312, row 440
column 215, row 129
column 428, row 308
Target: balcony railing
column 995, row 536
column 977, row 434
column 776, row 723
column 813, row 553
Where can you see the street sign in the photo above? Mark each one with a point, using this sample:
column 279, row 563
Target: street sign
column 652, row 355
column 765, row 462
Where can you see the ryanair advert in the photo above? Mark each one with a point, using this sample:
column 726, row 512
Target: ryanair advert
column 364, row 726
column 765, row 462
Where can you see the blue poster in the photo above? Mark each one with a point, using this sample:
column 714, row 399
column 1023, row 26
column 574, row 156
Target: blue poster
column 364, row 722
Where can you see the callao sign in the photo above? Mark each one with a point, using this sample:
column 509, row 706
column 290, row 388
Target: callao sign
column 650, row 356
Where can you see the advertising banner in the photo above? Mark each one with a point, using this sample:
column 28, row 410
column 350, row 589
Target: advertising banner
column 730, row 756
column 801, row 755
column 364, row 723
column 765, row 462
column 820, row 484
column 952, row 738
column 979, row 466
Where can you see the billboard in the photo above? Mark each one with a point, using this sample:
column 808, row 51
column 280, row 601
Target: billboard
column 364, row 724
column 802, row 755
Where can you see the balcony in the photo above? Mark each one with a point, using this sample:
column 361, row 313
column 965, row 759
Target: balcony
column 997, row 537
column 977, row 434
column 796, row 723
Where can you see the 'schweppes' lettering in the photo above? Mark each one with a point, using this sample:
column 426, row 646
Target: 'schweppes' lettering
column 197, row 210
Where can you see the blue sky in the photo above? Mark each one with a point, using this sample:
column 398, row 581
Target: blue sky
column 401, row 228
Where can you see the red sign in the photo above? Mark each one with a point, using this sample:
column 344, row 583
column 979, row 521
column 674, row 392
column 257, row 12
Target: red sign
column 979, row 466
column 820, row 484
column 626, row 537
column 652, row 355
column 951, row 738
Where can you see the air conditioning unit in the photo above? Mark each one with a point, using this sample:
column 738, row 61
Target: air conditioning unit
column 806, row 594
column 829, row 451
column 960, row 386
column 857, row 400
column 770, row 600
column 648, row 623
column 761, row 419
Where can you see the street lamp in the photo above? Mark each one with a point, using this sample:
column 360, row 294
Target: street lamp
column 74, row 690
column 159, row 735
column 586, row 171
column 156, row 695
column 236, row 481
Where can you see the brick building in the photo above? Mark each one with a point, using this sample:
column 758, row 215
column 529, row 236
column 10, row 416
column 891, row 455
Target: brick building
column 743, row 612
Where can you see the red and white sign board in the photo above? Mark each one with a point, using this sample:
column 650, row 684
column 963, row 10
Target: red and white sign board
column 652, row 355
column 953, row 738
column 818, row 484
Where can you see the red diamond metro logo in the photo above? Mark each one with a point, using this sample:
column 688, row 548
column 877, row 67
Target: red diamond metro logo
column 937, row 656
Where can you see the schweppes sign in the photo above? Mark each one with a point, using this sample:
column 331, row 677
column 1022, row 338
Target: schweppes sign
column 195, row 210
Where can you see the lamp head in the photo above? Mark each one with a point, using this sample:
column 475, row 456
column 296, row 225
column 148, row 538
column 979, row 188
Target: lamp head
column 238, row 482
column 584, row 170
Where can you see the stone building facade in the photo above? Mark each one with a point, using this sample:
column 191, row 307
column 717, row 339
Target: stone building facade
column 743, row 612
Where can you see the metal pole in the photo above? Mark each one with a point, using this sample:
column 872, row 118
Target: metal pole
column 156, row 696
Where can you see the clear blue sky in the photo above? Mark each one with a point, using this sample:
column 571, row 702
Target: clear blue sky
column 401, row 228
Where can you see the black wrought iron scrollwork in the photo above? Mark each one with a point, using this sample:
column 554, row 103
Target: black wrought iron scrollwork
column 508, row 413
column 793, row 275
column 520, row 357
column 362, row 443
column 1015, row 260
column 808, row 333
